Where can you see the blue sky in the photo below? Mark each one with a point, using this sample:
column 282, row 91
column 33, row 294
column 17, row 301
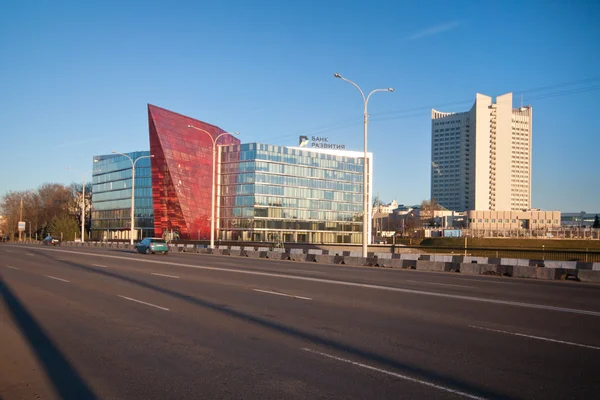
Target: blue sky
column 76, row 76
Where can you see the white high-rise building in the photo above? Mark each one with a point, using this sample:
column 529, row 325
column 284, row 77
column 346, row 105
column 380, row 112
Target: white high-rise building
column 481, row 159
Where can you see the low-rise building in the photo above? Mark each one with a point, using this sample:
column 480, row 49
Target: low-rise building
column 511, row 220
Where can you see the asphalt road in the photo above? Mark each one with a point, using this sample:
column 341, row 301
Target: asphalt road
column 82, row 323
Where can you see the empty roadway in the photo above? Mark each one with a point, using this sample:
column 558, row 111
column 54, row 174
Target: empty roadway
column 113, row 324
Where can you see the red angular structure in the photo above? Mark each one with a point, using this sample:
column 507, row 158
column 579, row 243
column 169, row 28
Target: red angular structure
column 181, row 172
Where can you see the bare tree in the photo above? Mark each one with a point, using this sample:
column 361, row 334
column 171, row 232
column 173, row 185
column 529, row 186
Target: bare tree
column 428, row 209
column 10, row 209
column 40, row 207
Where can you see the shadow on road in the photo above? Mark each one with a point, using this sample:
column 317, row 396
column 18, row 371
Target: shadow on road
column 411, row 370
column 65, row 379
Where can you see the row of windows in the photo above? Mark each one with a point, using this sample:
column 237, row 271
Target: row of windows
column 251, row 223
column 294, row 170
column 265, row 201
column 292, row 210
column 514, row 221
column 122, row 175
column 286, row 191
column 344, row 204
column 291, row 213
column 447, row 122
column 123, row 203
column 122, row 194
column 115, row 162
column 122, row 223
column 251, row 177
column 293, row 236
column 140, row 181
column 122, row 213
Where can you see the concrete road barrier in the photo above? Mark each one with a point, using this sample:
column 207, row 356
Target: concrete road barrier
column 275, row 255
column 390, row 262
column 355, row 261
column 255, row 254
column 439, row 266
column 521, row 271
column 486, row 269
column 297, row 257
column 586, row 275
column 325, row 259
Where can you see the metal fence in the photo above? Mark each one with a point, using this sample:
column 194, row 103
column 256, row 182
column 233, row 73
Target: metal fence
column 542, row 254
column 555, row 233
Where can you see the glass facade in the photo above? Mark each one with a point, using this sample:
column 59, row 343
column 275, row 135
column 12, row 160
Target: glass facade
column 275, row 193
column 182, row 172
column 111, row 197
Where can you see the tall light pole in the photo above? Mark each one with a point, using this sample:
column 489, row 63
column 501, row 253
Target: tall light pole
column 212, row 201
column 366, row 167
column 82, row 202
column 133, row 162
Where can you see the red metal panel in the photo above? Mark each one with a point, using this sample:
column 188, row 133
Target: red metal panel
column 181, row 172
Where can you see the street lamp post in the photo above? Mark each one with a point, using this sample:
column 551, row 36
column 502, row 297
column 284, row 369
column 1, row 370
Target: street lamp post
column 82, row 207
column 133, row 162
column 214, row 161
column 366, row 167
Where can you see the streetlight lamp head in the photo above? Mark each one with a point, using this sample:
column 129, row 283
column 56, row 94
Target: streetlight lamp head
column 233, row 133
column 337, row 75
column 391, row 89
column 96, row 160
column 113, row 152
column 190, row 126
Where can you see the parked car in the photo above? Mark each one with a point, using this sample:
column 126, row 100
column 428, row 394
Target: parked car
column 152, row 245
column 51, row 241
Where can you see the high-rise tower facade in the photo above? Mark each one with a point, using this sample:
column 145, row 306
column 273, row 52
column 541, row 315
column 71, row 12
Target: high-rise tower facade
column 481, row 159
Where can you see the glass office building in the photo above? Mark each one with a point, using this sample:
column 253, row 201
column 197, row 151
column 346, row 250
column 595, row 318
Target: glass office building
column 111, row 197
column 182, row 172
column 275, row 193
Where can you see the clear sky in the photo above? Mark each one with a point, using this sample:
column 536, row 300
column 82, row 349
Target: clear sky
column 76, row 76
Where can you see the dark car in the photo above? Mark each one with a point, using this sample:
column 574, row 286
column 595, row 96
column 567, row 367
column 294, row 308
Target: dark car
column 51, row 241
column 152, row 245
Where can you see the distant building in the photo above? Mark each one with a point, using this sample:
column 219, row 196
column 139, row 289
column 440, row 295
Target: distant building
column 580, row 219
column 306, row 195
column 263, row 193
column 182, row 170
column 111, row 197
column 385, row 208
column 511, row 220
column 481, row 158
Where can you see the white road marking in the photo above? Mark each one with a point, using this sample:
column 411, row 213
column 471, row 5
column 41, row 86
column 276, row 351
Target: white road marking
column 168, row 276
column 58, row 279
column 8, row 266
column 29, row 254
column 98, row 265
column 536, row 337
column 306, row 270
column 394, row 374
column 441, row 284
column 8, row 251
column 344, row 283
column 143, row 302
column 282, row 294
